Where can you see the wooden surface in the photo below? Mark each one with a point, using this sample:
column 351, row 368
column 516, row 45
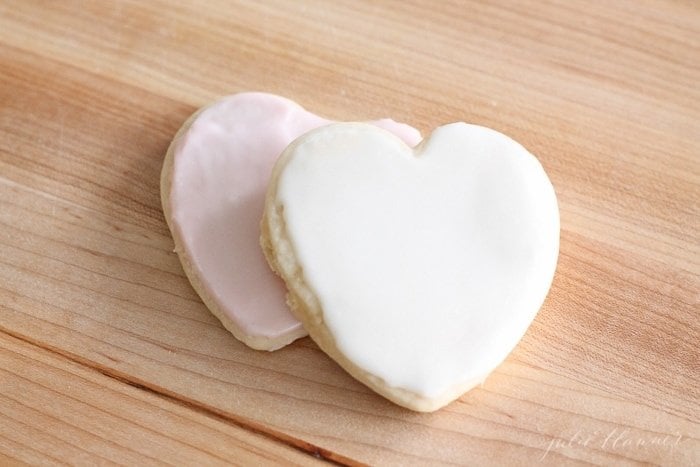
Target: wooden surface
column 107, row 354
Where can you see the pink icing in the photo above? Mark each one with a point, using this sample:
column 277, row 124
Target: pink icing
column 220, row 173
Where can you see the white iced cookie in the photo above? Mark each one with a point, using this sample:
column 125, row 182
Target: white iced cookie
column 213, row 187
column 417, row 270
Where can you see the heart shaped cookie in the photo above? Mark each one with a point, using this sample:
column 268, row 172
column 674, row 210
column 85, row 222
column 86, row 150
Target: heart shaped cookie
column 417, row 270
column 213, row 187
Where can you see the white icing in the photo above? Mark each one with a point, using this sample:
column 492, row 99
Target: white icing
column 429, row 266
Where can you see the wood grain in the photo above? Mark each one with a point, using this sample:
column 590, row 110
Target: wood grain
column 60, row 410
column 107, row 354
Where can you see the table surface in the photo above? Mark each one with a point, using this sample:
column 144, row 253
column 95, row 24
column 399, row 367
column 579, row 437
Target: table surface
column 107, row 355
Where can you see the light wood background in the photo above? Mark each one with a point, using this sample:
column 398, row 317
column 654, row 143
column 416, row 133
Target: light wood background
column 108, row 356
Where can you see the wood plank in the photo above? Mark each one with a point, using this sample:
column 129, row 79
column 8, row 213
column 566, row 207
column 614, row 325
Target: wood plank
column 603, row 92
column 54, row 409
column 81, row 288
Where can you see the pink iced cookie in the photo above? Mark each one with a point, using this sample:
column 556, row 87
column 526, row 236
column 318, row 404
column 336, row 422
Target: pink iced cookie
column 213, row 188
